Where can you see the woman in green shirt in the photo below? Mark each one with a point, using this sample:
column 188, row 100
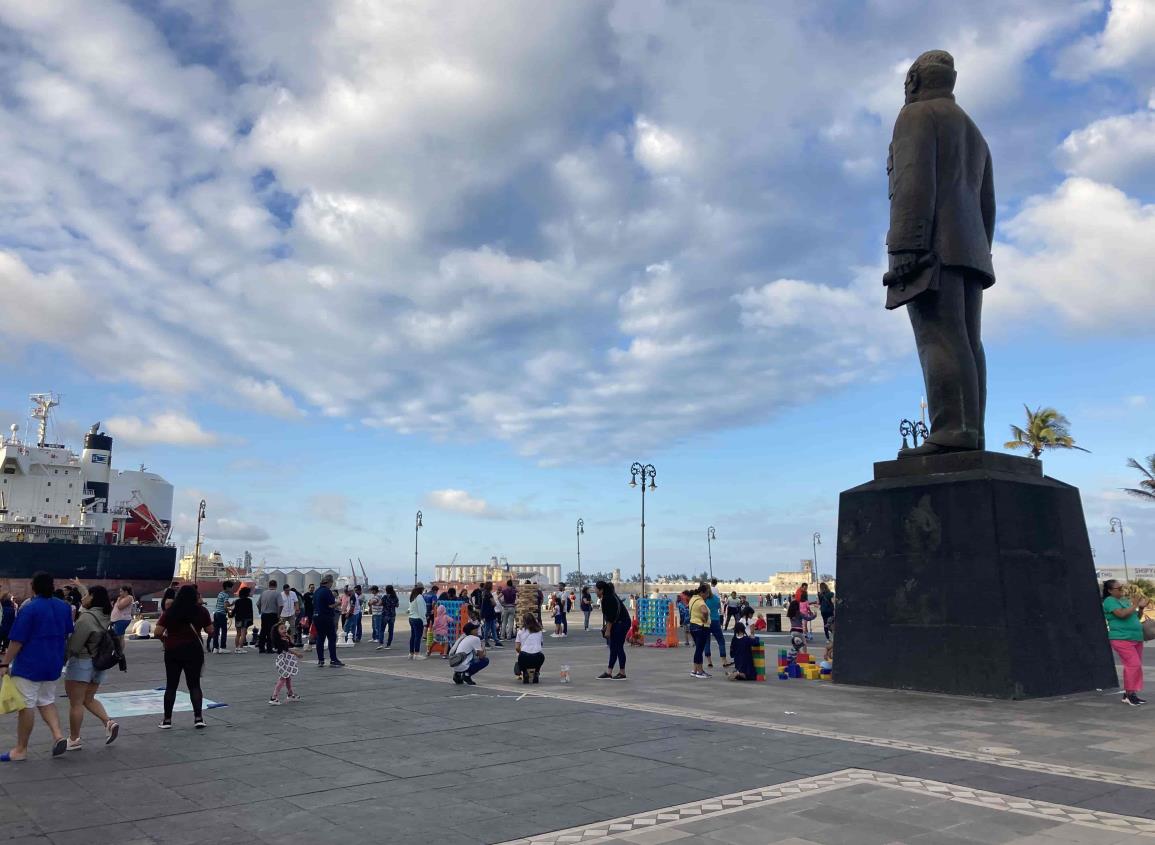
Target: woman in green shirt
column 1125, row 631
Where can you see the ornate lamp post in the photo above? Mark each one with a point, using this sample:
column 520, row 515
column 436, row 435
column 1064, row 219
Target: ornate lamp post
column 197, row 548
column 581, row 529
column 645, row 472
column 710, row 538
column 416, row 532
column 1118, row 523
column 815, row 542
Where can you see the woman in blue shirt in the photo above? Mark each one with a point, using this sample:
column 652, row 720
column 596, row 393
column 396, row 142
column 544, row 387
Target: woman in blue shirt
column 715, row 604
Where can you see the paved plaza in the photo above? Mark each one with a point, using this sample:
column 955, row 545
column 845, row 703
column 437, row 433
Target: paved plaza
column 391, row 750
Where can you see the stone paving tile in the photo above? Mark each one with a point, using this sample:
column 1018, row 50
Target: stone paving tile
column 409, row 748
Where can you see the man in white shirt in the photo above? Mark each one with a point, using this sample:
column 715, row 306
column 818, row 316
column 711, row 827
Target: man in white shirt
column 288, row 606
column 470, row 645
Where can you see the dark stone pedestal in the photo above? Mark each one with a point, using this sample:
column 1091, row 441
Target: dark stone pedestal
column 971, row 574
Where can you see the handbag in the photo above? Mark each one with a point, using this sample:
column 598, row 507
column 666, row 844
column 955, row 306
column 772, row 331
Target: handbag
column 11, row 700
column 456, row 658
column 1148, row 629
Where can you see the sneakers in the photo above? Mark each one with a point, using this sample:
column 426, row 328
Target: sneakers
column 238, row 651
column 113, row 732
column 379, row 648
column 1133, row 700
column 166, row 725
column 697, row 674
column 293, row 697
column 1136, row 697
column 199, row 723
column 336, row 664
column 536, row 677
column 621, row 676
column 457, row 678
column 320, row 664
column 465, row 679
column 276, row 702
column 74, row 744
column 605, row 676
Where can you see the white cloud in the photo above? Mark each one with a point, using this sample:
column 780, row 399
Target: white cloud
column 1123, row 44
column 457, row 501
column 233, row 529
column 1083, row 252
column 267, row 397
column 562, row 225
column 1118, row 150
column 170, row 428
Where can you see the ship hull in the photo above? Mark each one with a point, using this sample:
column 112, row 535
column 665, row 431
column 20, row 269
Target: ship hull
column 145, row 568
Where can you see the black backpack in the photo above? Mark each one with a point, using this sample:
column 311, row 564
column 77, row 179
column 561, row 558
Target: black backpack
column 108, row 652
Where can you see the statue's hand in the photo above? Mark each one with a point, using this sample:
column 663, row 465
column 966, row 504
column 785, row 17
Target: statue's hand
column 905, row 265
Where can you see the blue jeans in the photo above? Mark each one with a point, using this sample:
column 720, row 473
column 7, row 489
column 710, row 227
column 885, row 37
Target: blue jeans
column 378, row 628
column 586, row 614
column 617, row 643
column 389, row 623
column 326, row 630
column 716, row 631
column 489, row 630
column 476, row 665
column 220, row 631
column 351, row 628
column 416, row 629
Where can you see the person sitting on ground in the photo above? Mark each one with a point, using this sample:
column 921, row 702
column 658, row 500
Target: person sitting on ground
column 469, row 644
column 760, row 623
column 742, row 653
column 140, row 629
column 530, row 657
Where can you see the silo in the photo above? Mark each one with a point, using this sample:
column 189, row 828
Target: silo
column 312, row 577
column 296, row 580
column 277, row 575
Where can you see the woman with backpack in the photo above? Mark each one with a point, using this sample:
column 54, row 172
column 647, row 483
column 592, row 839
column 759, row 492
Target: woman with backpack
column 81, row 678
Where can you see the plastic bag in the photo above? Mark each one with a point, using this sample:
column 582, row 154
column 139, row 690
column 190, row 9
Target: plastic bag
column 11, row 699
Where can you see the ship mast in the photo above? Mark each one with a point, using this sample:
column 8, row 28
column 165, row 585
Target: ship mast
column 42, row 405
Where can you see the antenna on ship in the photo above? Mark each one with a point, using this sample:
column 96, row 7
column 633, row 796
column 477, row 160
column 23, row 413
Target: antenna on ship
column 42, row 405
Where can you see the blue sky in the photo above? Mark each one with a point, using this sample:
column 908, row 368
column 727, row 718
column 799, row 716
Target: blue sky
column 324, row 264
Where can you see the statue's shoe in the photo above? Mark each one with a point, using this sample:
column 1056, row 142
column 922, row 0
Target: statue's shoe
column 929, row 449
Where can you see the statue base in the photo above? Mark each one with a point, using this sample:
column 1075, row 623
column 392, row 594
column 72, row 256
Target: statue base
column 968, row 573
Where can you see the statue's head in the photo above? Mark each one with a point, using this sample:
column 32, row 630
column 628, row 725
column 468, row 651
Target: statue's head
column 932, row 74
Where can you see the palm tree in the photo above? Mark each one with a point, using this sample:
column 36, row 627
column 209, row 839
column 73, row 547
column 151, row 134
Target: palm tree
column 1046, row 429
column 1146, row 488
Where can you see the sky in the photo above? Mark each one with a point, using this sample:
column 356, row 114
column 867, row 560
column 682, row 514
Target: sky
column 324, row 264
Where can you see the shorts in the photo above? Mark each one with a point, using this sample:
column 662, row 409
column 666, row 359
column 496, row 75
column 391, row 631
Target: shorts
column 441, row 638
column 120, row 626
column 36, row 693
column 243, row 623
column 81, row 669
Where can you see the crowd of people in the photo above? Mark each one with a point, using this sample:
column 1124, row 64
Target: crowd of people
column 78, row 634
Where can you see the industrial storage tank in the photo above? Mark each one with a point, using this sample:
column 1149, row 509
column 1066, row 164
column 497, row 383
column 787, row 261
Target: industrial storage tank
column 277, row 575
column 296, row 579
column 313, row 577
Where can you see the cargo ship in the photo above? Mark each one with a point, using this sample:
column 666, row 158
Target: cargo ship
column 74, row 516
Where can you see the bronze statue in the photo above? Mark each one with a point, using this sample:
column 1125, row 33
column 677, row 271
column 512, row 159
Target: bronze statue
column 942, row 222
